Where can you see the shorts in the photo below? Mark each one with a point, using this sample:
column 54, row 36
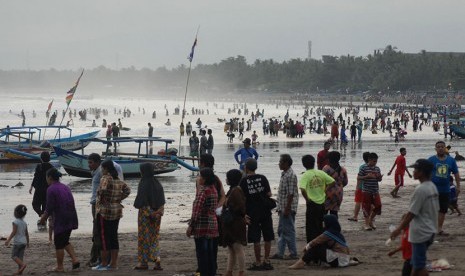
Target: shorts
column 358, row 195
column 370, row 199
column 443, row 202
column 418, row 260
column 258, row 226
column 18, row 251
column 61, row 240
column 399, row 179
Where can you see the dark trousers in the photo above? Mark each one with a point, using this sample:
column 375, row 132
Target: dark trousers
column 39, row 201
column 96, row 241
column 317, row 254
column 314, row 220
column 205, row 250
column 407, row 268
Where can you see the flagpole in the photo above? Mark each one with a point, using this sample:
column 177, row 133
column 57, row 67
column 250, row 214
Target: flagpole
column 191, row 56
column 67, row 107
column 46, row 119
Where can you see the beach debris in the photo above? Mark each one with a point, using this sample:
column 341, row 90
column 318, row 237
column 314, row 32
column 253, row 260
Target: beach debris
column 438, row 265
column 19, row 184
column 3, row 186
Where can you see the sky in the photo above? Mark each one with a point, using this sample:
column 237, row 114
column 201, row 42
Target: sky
column 68, row 35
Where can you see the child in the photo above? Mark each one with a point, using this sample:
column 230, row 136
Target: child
column 406, row 248
column 21, row 238
column 453, row 206
column 371, row 206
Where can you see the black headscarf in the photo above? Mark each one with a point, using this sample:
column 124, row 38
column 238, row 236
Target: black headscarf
column 333, row 229
column 150, row 191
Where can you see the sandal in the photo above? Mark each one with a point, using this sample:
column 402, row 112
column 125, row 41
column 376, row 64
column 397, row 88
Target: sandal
column 141, row 267
column 255, row 267
column 76, row 266
column 442, row 233
column 366, row 228
column 353, row 219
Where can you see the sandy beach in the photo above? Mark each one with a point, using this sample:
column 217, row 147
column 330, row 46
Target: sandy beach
column 178, row 251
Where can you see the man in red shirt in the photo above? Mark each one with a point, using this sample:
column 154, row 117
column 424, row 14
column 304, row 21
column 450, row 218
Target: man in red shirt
column 400, row 172
column 322, row 157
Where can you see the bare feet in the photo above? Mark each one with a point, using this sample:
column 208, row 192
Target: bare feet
column 20, row 270
column 298, row 265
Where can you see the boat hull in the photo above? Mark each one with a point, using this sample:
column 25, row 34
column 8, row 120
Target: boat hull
column 77, row 165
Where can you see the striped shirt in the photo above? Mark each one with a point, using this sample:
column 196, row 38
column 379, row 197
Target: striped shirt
column 370, row 185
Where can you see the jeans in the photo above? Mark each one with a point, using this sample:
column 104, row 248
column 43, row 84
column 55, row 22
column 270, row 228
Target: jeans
column 206, row 256
column 286, row 234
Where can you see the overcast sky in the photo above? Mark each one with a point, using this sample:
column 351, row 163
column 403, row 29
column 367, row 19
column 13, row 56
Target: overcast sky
column 65, row 34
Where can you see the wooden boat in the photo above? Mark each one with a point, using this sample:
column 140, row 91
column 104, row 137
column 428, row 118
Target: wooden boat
column 458, row 130
column 76, row 164
column 23, row 137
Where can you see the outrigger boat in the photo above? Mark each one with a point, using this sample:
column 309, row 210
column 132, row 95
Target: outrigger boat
column 77, row 165
column 26, row 139
column 18, row 144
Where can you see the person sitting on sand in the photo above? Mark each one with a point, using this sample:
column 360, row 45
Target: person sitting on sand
column 330, row 247
column 168, row 123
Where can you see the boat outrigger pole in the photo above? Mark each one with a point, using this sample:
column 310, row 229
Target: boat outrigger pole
column 190, row 58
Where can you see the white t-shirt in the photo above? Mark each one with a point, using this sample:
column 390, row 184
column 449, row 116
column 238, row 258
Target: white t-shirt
column 20, row 237
column 425, row 206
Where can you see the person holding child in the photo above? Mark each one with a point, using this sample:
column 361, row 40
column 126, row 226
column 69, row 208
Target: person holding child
column 20, row 237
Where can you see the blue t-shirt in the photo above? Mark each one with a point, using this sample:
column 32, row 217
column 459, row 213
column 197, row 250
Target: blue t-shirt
column 441, row 172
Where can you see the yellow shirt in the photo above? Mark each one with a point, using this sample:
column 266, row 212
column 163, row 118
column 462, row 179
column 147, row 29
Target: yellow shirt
column 314, row 182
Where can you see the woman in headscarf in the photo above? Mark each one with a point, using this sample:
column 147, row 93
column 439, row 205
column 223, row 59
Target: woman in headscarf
column 150, row 201
column 329, row 247
column 234, row 227
column 334, row 193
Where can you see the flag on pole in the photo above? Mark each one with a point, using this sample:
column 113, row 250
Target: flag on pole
column 191, row 55
column 70, row 93
column 49, row 106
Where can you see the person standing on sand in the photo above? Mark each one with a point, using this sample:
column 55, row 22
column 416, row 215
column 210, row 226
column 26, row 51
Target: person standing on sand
column 150, row 201
column 39, row 183
column 150, row 134
column 256, row 189
column 235, row 231
column 210, row 142
column 371, row 176
column 20, row 237
column 400, row 172
column 422, row 216
column 246, row 152
column 313, row 185
column 203, row 142
column 60, row 205
column 203, row 224
column 109, row 211
column 444, row 166
column 359, row 190
column 288, row 200
column 194, row 147
column 335, row 192
column 322, row 157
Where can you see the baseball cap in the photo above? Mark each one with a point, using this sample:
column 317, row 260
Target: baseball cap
column 246, row 141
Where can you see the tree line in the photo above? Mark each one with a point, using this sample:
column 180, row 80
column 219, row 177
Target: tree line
column 388, row 69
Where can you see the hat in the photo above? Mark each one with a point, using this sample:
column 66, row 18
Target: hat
column 251, row 164
column 424, row 166
column 246, row 141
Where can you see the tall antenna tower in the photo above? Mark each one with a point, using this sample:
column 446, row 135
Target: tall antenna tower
column 309, row 49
